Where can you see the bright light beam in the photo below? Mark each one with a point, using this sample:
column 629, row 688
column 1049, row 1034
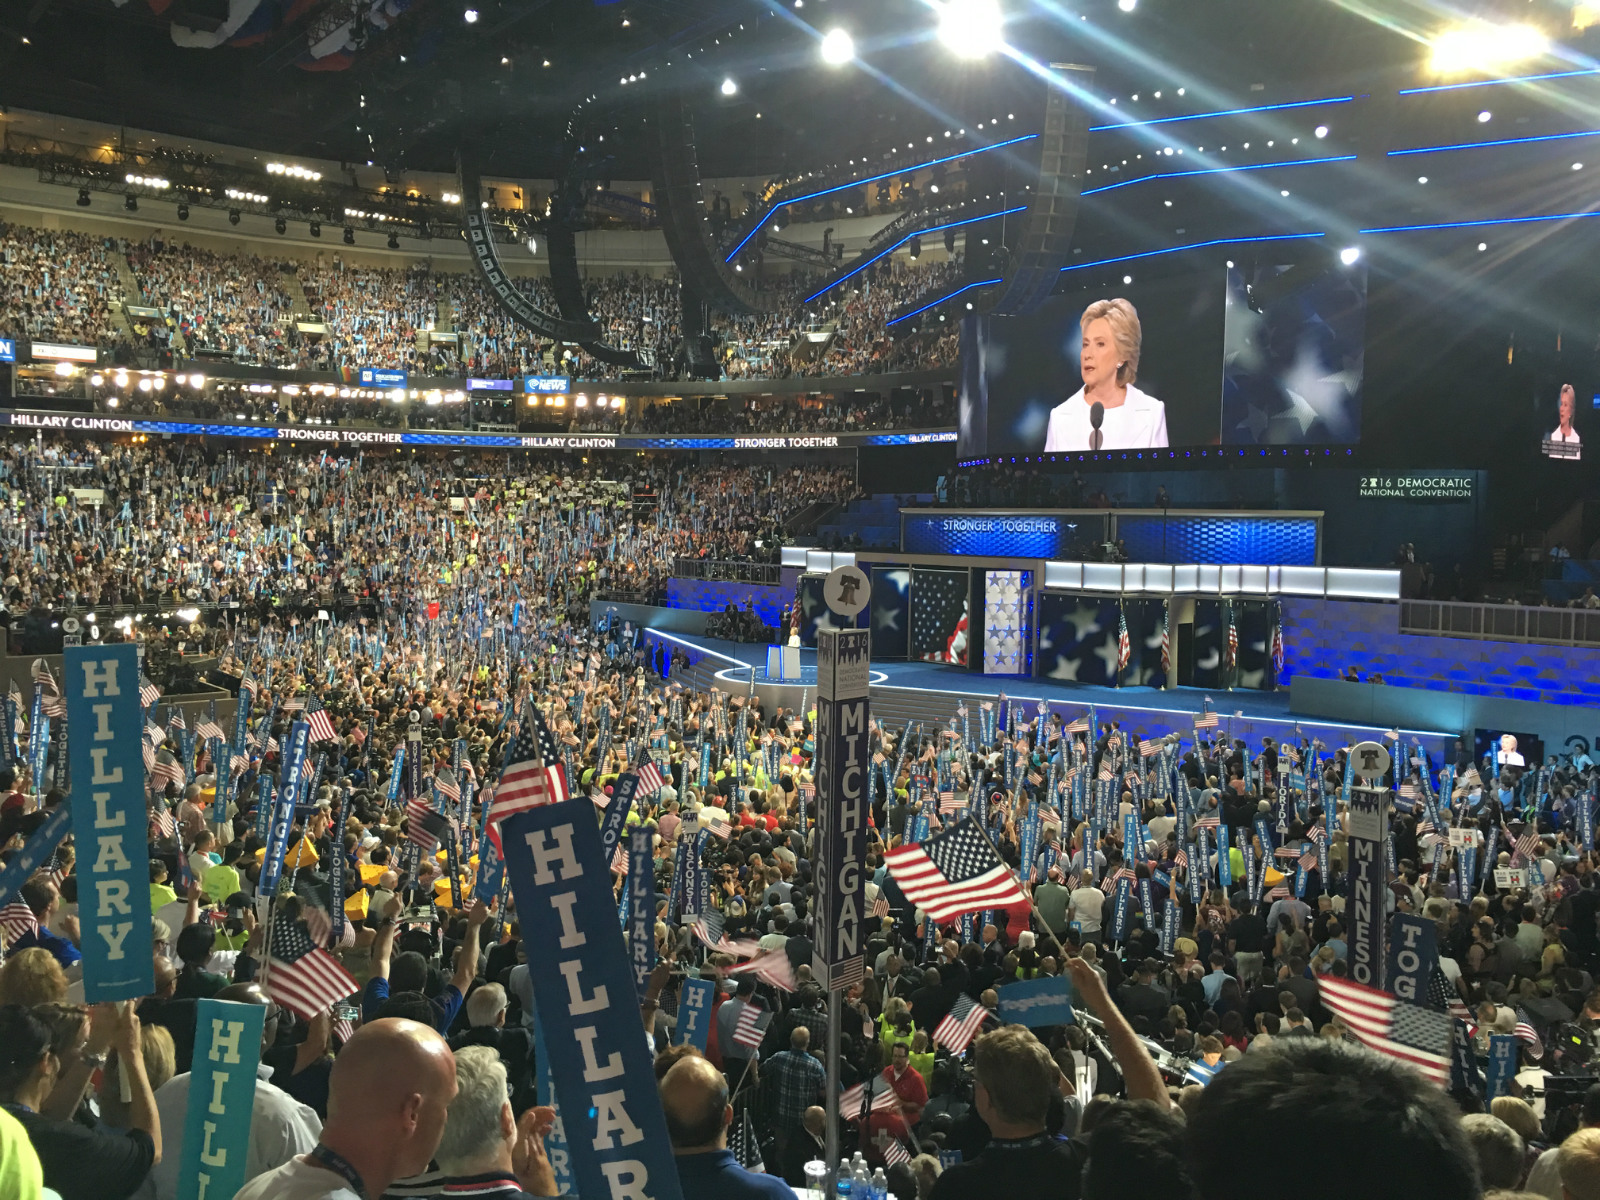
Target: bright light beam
column 1272, row 237
column 862, row 266
column 1299, row 162
column 942, row 299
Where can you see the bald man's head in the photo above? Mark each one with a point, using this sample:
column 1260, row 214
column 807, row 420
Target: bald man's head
column 391, row 1086
column 694, row 1096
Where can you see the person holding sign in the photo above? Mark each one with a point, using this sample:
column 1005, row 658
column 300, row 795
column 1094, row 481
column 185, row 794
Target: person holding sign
column 79, row 1163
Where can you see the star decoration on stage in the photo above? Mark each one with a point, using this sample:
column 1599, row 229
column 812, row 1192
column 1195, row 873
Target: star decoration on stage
column 1005, row 623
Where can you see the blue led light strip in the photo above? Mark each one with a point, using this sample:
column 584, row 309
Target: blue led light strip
column 1272, row 237
column 1227, row 112
column 1545, row 137
column 1478, row 83
column 1299, row 162
column 932, row 162
column 942, row 299
column 1572, row 216
column 1004, row 212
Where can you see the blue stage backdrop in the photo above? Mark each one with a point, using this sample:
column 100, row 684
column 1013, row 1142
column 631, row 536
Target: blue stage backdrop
column 891, row 611
column 1183, row 538
column 1078, row 639
column 998, row 535
column 714, row 595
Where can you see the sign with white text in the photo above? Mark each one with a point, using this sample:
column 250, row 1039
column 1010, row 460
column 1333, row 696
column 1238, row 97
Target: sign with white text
column 222, row 1097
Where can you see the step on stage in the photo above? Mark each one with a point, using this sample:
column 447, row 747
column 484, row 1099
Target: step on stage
column 930, row 692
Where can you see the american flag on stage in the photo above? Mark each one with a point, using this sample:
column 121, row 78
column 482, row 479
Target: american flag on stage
column 1166, row 643
column 322, row 729
column 303, row 978
column 961, row 1025
column 852, row 1098
column 1233, row 641
column 751, row 1026
column 954, row 872
column 1277, row 648
column 939, row 617
column 532, row 776
column 425, row 826
column 1124, row 646
column 1407, row 1032
column 149, row 693
column 17, row 919
column 1206, row 720
column 650, row 782
column 947, row 800
column 1525, row 1032
column 207, row 730
column 771, row 967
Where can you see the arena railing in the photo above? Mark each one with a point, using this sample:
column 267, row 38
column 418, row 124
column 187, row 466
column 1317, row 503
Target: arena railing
column 1502, row 622
column 728, row 570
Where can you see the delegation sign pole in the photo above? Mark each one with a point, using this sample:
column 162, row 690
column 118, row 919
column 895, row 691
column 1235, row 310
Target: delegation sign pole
column 843, row 806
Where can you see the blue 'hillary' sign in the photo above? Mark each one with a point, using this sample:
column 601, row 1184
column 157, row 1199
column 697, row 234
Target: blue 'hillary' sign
column 578, row 966
column 1502, row 1066
column 695, row 998
column 641, row 907
column 109, row 817
column 222, row 1091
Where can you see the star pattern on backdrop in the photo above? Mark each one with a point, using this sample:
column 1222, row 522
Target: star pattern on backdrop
column 1005, row 631
column 939, row 616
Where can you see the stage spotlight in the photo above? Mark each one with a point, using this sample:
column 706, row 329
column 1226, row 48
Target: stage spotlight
column 1321, row 131
column 83, row 197
column 316, row 229
column 1482, row 46
column 1349, row 255
column 1482, row 246
column 131, row 203
column 532, row 244
column 233, row 216
column 281, row 225
column 470, row 16
column 1127, row 279
column 970, row 28
column 1127, row 5
column 183, row 212
column 838, row 47
column 729, row 87
column 394, row 241
column 1485, row 117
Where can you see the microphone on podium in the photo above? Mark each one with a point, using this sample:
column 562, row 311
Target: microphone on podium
column 1097, row 414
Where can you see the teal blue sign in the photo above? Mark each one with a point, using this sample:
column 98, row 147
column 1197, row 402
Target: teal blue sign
column 222, row 1097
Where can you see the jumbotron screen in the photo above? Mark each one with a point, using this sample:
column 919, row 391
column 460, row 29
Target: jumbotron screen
column 1261, row 356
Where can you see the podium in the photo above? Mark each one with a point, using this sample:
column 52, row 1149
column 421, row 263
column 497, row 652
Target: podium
column 783, row 663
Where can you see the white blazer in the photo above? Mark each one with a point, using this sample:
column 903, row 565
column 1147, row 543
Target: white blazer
column 1140, row 423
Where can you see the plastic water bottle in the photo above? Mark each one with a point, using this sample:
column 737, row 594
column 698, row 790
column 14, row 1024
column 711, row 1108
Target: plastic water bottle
column 861, row 1185
column 880, row 1186
column 844, row 1183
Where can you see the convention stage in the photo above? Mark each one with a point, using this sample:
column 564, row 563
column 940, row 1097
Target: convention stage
column 930, row 692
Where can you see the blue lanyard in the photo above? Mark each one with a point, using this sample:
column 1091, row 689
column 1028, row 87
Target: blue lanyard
column 339, row 1165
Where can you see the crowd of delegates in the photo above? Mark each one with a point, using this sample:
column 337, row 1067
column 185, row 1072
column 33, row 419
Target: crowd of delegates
column 531, row 532
column 1265, row 1072
column 56, row 285
column 239, row 307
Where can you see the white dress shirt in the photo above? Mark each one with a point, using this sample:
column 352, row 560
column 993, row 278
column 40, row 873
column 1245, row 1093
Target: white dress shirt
column 1138, row 423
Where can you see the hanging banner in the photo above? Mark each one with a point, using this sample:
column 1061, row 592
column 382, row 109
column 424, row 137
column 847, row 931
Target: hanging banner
column 641, row 907
column 109, row 821
column 695, row 998
column 581, row 979
column 222, row 1089
column 843, row 761
column 1369, row 881
column 283, row 810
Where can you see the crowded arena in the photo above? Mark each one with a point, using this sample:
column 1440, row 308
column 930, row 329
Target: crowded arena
column 807, row 601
